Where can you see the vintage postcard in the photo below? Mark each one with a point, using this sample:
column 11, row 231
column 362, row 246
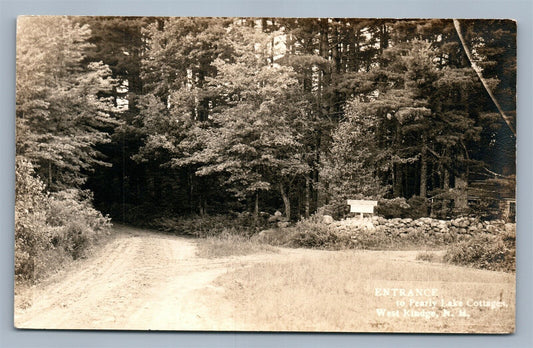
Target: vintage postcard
column 265, row 174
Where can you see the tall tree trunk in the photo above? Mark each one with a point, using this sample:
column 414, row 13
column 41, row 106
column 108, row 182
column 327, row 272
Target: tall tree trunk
column 461, row 183
column 256, row 208
column 461, row 197
column 446, row 179
column 383, row 37
column 355, row 53
column 191, row 192
column 316, row 174
column 201, row 209
column 397, row 180
column 49, row 174
column 286, row 201
column 307, row 195
column 272, row 52
column 423, row 169
column 335, row 56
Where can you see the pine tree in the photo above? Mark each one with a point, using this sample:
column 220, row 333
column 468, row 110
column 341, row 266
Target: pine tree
column 252, row 139
column 60, row 115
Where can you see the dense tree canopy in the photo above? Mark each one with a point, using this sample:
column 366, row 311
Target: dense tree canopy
column 207, row 115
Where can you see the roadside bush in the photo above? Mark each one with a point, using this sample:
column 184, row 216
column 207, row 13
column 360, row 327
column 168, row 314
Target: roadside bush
column 32, row 234
column 78, row 224
column 485, row 251
column 311, row 233
column 50, row 229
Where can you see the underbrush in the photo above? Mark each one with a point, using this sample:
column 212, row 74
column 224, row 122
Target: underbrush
column 76, row 224
column 495, row 252
column 229, row 243
column 312, row 233
column 206, row 226
column 51, row 229
column 414, row 208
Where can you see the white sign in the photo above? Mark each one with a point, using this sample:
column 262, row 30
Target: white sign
column 362, row 206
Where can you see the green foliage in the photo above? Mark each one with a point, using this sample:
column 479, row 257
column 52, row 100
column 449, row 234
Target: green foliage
column 253, row 140
column 205, row 226
column 442, row 204
column 353, row 167
column 50, row 228
column 77, row 225
column 485, row 251
column 337, row 208
column 392, row 208
column 419, row 207
column 377, row 240
column 414, row 208
column 60, row 113
column 319, row 110
column 311, row 233
column 32, row 234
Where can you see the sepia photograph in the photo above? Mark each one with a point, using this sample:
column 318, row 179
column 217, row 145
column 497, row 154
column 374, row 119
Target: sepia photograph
column 265, row 174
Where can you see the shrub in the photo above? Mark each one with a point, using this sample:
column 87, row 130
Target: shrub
column 50, row 228
column 273, row 236
column 32, row 234
column 338, row 209
column 419, row 207
column 78, row 224
column 312, row 233
column 485, row 251
column 414, row 208
column 392, row 208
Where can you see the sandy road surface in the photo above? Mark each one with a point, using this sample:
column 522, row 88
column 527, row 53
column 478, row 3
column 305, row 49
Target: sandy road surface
column 140, row 280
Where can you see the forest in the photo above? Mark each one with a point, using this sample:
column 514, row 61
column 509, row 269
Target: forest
column 146, row 120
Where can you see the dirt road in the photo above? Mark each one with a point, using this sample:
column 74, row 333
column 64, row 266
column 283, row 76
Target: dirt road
column 140, row 280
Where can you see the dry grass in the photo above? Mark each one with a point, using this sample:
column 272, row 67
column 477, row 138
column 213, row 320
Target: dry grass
column 429, row 256
column 229, row 245
column 335, row 291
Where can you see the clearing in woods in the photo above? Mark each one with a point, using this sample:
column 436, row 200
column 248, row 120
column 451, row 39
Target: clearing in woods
column 144, row 280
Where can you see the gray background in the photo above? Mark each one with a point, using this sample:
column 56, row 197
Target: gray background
column 522, row 11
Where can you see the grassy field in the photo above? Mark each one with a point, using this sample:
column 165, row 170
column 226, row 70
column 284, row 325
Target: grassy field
column 336, row 291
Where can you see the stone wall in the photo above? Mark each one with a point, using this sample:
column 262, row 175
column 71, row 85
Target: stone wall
column 441, row 229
